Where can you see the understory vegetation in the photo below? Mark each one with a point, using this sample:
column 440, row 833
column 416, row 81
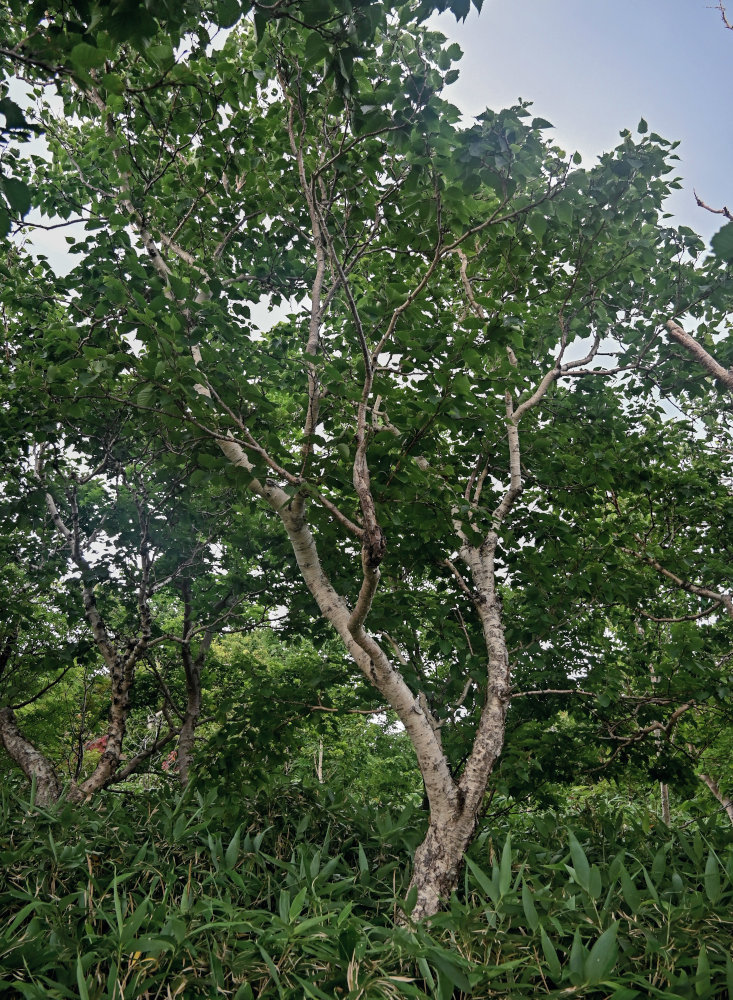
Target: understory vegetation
column 292, row 891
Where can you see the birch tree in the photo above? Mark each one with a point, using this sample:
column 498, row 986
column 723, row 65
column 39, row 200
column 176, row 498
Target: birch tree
column 459, row 316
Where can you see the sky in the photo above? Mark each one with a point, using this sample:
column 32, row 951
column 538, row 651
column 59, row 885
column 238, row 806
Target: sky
column 595, row 67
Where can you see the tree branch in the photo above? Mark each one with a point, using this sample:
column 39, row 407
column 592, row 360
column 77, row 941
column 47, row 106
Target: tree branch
column 703, row 358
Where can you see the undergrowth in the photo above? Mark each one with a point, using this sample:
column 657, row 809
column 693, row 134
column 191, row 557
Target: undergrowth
column 294, row 894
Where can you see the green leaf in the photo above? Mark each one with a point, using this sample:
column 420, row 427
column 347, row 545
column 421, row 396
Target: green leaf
column 548, row 950
column 316, row 47
column 297, row 905
column 659, row 864
column 702, row 978
column 602, row 956
column 595, row 883
column 578, row 956
column 580, row 863
column 630, row 892
column 81, row 980
column 481, row 877
column 231, row 855
column 505, row 868
column 712, row 878
column 14, row 117
column 180, row 287
column 564, row 212
column 642, row 127
column 722, row 243
column 537, row 224
column 460, row 8
column 529, row 908
column 146, row 396
column 449, row 969
column 18, row 194
column 229, row 12
column 260, row 21
column 116, row 292
column 410, row 900
column 87, row 56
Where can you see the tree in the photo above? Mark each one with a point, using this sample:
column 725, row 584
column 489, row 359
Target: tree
column 45, row 44
column 432, row 423
column 127, row 560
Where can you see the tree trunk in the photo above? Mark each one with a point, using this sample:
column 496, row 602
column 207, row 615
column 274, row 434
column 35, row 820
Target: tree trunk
column 122, row 672
column 192, row 671
column 664, row 796
column 725, row 802
column 186, row 738
column 438, row 861
column 30, row 760
column 454, row 805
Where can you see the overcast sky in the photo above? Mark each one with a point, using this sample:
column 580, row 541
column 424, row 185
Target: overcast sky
column 595, row 67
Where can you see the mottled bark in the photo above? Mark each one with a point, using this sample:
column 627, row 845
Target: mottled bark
column 122, row 672
column 29, row 759
column 439, row 858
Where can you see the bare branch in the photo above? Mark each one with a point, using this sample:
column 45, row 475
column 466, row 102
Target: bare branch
column 716, row 211
column 725, row 599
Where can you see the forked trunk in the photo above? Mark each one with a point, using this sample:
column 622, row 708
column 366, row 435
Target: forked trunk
column 438, row 860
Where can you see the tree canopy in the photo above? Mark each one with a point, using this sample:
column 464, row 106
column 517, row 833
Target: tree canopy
column 438, row 390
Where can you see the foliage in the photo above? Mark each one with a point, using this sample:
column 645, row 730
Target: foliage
column 292, row 893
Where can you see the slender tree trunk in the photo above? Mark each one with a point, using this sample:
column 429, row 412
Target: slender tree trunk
column 192, row 670
column 725, row 802
column 454, row 805
column 187, row 735
column 30, row 760
column 439, row 859
column 664, row 795
column 122, row 673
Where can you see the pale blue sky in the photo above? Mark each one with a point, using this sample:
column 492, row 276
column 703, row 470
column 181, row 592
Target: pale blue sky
column 594, row 67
